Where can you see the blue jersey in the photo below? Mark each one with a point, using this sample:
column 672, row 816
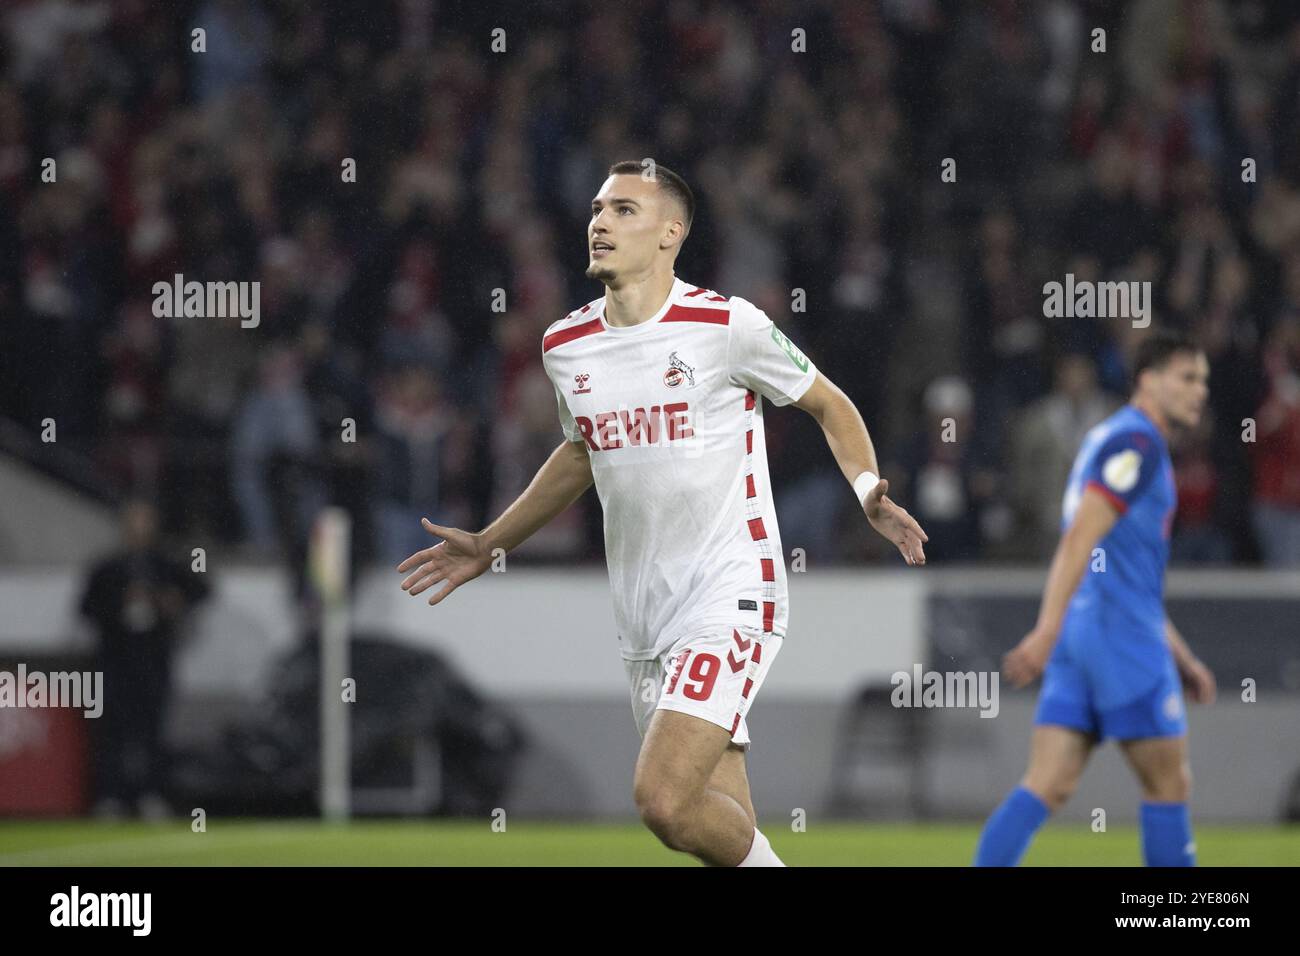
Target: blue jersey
column 1116, row 619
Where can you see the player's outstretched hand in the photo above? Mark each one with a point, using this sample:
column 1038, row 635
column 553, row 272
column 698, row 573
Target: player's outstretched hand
column 459, row 557
column 1199, row 681
column 1026, row 661
column 895, row 524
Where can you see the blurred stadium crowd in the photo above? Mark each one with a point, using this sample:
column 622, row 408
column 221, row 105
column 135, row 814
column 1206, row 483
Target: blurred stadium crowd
column 817, row 171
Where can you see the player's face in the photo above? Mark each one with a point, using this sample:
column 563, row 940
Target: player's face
column 625, row 228
column 1182, row 387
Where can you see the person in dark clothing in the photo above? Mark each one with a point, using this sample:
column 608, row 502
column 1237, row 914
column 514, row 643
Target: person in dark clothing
column 137, row 600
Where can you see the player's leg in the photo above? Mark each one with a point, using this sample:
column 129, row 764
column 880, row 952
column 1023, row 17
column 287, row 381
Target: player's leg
column 1057, row 757
column 1161, row 766
column 730, row 778
column 1152, row 733
column 713, row 677
column 1164, row 817
column 678, row 759
column 1064, row 735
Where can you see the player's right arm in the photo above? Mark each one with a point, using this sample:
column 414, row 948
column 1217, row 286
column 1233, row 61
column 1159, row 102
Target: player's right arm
column 1093, row 519
column 463, row 555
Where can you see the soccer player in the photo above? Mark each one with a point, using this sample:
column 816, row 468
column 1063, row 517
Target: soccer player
column 1113, row 658
column 659, row 385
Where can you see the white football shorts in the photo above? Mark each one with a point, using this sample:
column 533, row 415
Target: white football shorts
column 714, row 675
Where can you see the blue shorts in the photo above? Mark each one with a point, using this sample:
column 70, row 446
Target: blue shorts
column 1067, row 700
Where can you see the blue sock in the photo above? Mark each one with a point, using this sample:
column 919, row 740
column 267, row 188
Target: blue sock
column 1007, row 834
column 1167, row 834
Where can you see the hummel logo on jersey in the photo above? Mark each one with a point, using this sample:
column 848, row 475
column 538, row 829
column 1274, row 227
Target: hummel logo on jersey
column 677, row 369
column 582, row 379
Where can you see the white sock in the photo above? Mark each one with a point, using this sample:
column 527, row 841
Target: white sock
column 760, row 852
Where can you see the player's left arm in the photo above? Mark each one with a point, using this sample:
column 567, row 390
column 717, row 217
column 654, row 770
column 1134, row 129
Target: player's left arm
column 1198, row 678
column 850, row 443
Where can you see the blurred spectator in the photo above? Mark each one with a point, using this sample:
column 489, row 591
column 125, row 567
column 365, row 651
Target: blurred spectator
column 344, row 409
column 945, row 489
column 137, row 600
column 1044, row 446
column 213, row 362
column 133, row 404
column 416, row 428
column 1277, row 451
column 522, row 440
column 1004, row 326
column 1108, row 222
column 238, row 46
column 1228, row 332
column 1197, row 536
column 275, row 457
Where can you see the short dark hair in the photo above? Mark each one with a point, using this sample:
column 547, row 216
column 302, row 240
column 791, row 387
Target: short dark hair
column 668, row 181
column 1159, row 346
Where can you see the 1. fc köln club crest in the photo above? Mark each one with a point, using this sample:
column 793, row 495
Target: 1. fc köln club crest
column 678, row 371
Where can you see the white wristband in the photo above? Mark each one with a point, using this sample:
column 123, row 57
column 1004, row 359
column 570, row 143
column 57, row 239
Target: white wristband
column 863, row 484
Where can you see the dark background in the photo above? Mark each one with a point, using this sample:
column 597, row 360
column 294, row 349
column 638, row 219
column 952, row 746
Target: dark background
column 817, row 171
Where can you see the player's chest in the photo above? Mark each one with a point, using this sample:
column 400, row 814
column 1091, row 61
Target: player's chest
column 648, row 394
column 651, row 370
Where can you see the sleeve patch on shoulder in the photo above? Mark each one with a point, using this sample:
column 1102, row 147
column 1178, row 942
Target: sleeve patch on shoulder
column 1121, row 470
column 797, row 357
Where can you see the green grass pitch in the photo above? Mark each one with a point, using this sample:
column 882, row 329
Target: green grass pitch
column 529, row 843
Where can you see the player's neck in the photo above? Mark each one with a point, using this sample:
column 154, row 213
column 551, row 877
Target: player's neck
column 1148, row 408
column 636, row 301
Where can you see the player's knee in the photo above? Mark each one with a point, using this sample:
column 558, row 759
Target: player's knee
column 1173, row 785
column 1054, row 790
column 1059, row 794
column 663, row 813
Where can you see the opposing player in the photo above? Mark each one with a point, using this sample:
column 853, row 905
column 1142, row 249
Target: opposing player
column 1113, row 658
column 659, row 385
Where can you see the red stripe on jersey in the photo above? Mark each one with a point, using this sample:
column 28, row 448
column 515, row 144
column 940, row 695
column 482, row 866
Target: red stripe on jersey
column 769, row 611
column 1120, row 504
column 681, row 664
column 749, row 441
column 679, row 313
column 756, row 529
column 735, row 723
column 758, row 653
column 571, row 333
column 749, row 683
column 749, row 487
column 584, row 308
column 749, row 400
column 769, row 568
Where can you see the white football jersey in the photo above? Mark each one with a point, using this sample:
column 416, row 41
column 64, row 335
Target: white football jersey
column 671, row 414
